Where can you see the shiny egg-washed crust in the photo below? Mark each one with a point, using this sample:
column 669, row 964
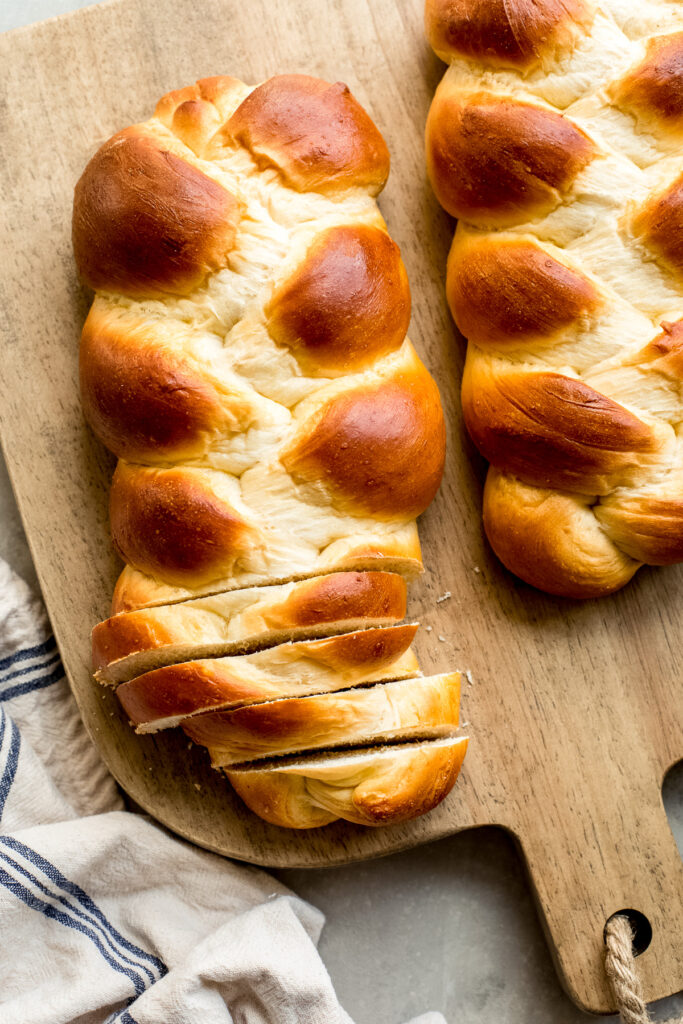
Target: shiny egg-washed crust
column 128, row 644
column 554, row 137
column 164, row 697
column 246, row 359
column 422, row 708
column 369, row 787
column 245, row 356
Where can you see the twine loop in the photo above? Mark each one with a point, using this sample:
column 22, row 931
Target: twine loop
column 620, row 965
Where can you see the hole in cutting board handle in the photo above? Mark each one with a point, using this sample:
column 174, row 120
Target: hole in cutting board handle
column 640, row 926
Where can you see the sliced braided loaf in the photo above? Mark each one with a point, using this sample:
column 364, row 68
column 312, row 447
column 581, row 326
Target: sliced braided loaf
column 246, row 359
column 555, row 138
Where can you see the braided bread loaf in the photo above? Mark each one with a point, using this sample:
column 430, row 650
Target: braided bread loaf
column 246, row 359
column 554, row 138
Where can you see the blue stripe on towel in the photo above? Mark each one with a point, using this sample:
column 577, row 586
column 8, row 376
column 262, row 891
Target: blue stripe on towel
column 28, row 652
column 10, row 769
column 47, row 661
column 49, row 910
column 19, row 689
column 135, row 970
column 87, row 903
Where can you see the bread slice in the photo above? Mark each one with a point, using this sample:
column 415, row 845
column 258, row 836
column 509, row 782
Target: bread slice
column 375, row 786
column 163, row 698
column 131, row 643
column 398, row 554
column 422, row 708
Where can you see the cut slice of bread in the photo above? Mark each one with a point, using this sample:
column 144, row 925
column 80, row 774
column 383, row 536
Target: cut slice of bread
column 371, row 786
column 422, row 708
column 163, row 698
column 136, row 590
column 128, row 644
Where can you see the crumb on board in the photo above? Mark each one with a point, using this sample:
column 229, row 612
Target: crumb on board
column 197, row 786
column 444, row 597
column 442, row 638
column 464, row 724
column 468, row 676
column 477, row 569
column 428, row 629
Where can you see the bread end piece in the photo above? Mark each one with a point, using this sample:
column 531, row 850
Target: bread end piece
column 378, row 786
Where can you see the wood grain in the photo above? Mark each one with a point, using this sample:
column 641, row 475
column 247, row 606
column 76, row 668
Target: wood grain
column 576, row 710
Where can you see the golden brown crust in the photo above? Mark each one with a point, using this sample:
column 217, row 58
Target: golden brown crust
column 142, row 397
column 369, row 787
column 380, row 448
column 413, row 708
column 346, row 305
column 134, row 590
column 416, row 791
column 653, row 90
column 496, row 161
column 279, row 800
column 552, row 430
column 168, row 522
column 665, row 351
column 346, row 595
column 126, row 634
column 660, row 224
column 195, row 113
column 551, row 539
column 221, row 91
column 508, row 292
column 165, row 696
column 244, row 619
column 648, row 527
column 148, row 222
column 316, row 135
column 505, row 33
column 376, row 648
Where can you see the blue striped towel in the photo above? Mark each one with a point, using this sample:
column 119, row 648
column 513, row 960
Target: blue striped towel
column 104, row 916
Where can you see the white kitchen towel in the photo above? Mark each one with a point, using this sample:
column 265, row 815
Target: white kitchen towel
column 104, row 916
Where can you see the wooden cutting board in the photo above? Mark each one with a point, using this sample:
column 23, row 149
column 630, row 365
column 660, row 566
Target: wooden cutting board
column 575, row 711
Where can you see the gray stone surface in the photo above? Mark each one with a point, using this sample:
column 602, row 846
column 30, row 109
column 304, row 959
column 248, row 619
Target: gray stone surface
column 450, row 926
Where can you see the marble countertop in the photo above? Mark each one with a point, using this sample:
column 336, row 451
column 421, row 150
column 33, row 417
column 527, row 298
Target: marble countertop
column 450, row 926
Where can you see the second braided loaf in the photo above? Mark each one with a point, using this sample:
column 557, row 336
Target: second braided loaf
column 554, row 137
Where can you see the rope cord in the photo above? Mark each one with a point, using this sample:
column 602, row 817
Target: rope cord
column 620, row 965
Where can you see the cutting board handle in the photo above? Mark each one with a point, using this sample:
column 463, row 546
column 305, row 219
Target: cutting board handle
column 588, row 862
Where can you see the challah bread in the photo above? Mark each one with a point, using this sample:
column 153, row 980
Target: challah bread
column 126, row 645
column 553, row 138
column 246, row 359
column 246, row 355
column 422, row 708
column 164, row 697
column 375, row 786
